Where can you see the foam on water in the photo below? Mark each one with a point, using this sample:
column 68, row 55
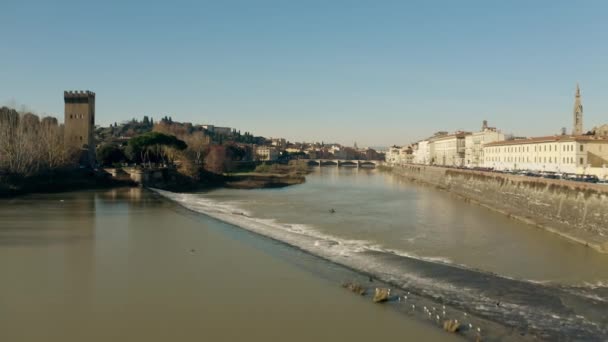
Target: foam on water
column 433, row 277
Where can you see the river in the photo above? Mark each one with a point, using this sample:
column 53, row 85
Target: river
column 430, row 243
column 143, row 267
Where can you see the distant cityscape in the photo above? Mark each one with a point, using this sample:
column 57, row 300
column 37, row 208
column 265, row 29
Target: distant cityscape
column 580, row 152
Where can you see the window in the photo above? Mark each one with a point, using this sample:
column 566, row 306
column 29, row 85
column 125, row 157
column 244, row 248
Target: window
column 582, row 160
column 581, row 149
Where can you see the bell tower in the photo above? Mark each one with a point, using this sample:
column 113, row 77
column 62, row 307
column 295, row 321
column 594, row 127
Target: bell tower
column 80, row 124
column 578, row 113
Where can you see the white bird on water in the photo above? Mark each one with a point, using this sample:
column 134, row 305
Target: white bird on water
column 413, row 307
column 470, row 326
column 479, row 330
column 437, row 317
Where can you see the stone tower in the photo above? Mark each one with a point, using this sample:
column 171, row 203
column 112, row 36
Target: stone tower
column 578, row 113
column 80, row 124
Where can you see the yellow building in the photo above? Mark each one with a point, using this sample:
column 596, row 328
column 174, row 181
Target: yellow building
column 583, row 154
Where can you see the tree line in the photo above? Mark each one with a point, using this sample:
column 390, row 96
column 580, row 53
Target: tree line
column 30, row 145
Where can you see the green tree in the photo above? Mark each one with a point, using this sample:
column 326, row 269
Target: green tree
column 153, row 146
column 110, row 154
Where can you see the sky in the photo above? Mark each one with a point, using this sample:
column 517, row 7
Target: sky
column 373, row 72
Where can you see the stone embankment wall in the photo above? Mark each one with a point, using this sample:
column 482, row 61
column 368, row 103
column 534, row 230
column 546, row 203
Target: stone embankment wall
column 578, row 211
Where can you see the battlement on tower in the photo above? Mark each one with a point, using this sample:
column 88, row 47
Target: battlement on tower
column 78, row 96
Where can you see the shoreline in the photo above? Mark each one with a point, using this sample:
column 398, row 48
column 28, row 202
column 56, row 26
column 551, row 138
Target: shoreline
column 83, row 179
column 59, row 181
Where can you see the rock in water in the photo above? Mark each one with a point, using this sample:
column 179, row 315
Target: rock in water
column 381, row 295
column 451, row 326
column 354, row 287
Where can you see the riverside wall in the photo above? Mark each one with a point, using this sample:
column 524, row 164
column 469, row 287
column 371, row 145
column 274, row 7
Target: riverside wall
column 577, row 211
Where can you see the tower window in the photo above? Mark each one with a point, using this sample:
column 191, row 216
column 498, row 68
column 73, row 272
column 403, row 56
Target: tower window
column 581, row 148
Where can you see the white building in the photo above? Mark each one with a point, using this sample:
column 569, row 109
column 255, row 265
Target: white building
column 448, row 150
column 473, row 154
column 422, row 153
column 560, row 153
column 399, row 155
column 266, row 153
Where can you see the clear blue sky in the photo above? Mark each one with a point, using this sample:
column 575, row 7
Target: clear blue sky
column 375, row 72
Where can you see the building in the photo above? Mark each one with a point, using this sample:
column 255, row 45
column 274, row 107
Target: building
column 601, row 131
column 583, row 154
column 218, row 130
column 449, row 150
column 422, row 153
column 278, row 142
column 473, row 154
column 397, row 155
column 266, row 153
column 80, row 124
column 577, row 113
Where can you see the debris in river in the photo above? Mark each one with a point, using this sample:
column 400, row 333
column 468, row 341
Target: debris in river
column 381, row 295
column 354, row 287
column 451, row 326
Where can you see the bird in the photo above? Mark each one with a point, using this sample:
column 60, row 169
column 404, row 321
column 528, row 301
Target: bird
column 465, row 314
column 425, row 308
column 404, row 297
column 478, row 330
column 413, row 307
column 437, row 317
column 470, row 326
column 443, row 313
column 399, row 299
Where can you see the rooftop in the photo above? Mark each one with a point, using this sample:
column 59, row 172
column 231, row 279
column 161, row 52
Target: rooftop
column 548, row 139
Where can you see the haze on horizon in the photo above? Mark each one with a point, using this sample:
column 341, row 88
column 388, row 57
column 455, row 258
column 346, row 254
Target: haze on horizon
column 374, row 72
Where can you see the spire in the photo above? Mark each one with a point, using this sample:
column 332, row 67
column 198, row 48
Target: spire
column 577, row 113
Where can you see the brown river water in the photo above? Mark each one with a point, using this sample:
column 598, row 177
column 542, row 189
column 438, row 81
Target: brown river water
column 125, row 265
column 135, row 264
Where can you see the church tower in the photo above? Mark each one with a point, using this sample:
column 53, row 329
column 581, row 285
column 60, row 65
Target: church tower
column 80, row 124
column 578, row 113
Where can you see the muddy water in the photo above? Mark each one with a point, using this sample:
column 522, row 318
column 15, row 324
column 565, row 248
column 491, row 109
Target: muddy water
column 126, row 265
column 476, row 262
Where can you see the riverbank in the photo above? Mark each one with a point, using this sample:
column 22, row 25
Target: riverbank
column 125, row 265
column 65, row 180
column 61, row 180
column 573, row 210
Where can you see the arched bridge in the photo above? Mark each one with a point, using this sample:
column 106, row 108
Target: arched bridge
column 345, row 163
